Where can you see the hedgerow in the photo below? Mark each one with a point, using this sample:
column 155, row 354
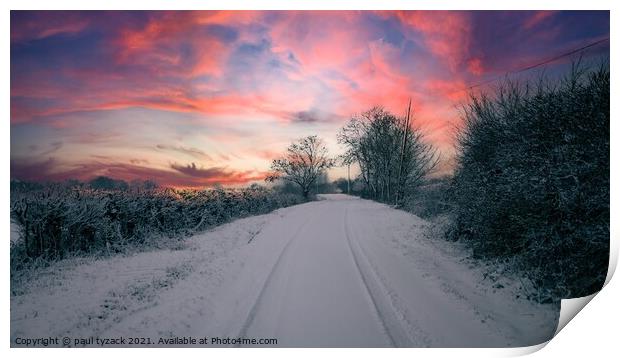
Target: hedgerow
column 57, row 221
column 532, row 181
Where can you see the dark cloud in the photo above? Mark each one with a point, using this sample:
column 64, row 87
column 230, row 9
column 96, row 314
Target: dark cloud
column 305, row 117
column 52, row 148
column 180, row 176
column 192, row 170
column 45, row 151
column 217, row 175
column 32, row 170
column 312, row 116
column 101, row 157
column 52, row 170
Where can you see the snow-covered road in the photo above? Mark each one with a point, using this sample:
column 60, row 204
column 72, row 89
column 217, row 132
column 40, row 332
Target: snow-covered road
column 339, row 272
column 315, row 294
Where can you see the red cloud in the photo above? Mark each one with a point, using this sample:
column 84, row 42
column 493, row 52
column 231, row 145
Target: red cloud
column 158, row 43
column 454, row 91
column 315, row 39
column 307, row 70
column 446, row 33
column 474, row 66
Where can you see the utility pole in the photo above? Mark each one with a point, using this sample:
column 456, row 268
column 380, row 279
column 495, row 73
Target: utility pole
column 348, row 178
column 402, row 154
column 316, row 183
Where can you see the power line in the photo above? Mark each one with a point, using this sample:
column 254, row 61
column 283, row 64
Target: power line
column 527, row 68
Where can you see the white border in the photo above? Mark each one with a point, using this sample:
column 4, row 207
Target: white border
column 312, row 4
column 594, row 330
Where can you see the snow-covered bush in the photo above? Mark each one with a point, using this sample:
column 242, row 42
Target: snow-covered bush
column 430, row 199
column 56, row 220
column 532, row 180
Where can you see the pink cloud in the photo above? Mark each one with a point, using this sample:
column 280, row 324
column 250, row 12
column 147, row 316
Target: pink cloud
column 537, row 18
column 249, row 74
column 475, row 66
column 372, row 64
column 320, row 39
column 157, row 43
column 446, row 33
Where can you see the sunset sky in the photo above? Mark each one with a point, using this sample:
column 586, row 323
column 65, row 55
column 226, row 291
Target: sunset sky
column 192, row 99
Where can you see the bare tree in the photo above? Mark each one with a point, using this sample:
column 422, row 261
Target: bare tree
column 302, row 164
column 393, row 156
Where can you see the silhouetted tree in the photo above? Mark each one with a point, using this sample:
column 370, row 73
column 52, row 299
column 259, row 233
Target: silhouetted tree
column 304, row 161
column 106, row 183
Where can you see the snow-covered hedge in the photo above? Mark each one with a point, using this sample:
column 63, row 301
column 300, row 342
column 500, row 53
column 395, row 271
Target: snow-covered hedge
column 430, row 199
column 532, row 181
column 56, row 221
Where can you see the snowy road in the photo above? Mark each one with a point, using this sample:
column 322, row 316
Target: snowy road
column 340, row 272
column 316, row 294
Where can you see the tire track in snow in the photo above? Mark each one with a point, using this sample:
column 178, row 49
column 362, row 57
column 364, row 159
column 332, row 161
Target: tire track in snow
column 384, row 300
column 252, row 313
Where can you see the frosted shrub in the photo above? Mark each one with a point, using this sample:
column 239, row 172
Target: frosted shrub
column 56, row 221
column 532, row 181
